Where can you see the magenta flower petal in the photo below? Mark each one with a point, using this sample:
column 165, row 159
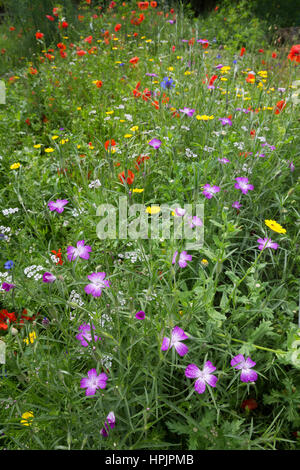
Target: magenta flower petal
column 192, row 371
column 200, row 385
column 48, row 277
column 181, row 348
column 140, row 315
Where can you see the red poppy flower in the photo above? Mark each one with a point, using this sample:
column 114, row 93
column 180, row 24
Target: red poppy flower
column 274, row 55
column 61, row 46
column 109, row 143
column 130, row 177
column 117, row 27
column 250, row 78
column 212, row 79
column 28, row 122
column 143, row 5
column 146, row 94
column 50, row 17
column 153, row 4
column 294, row 54
column 55, row 11
column 155, row 104
column 39, row 35
column 33, row 71
column 249, row 404
column 243, row 50
column 81, row 52
column 12, row 28
column 192, row 42
column 140, row 160
column 64, row 24
column 63, row 54
column 99, row 83
column 252, row 132
column 58, row 255
column 280, row 105
column 88, row 39
column 261, row 51
column 134, row 60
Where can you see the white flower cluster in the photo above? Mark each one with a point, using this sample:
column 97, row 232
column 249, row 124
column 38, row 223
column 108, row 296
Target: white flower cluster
column 33, row 271
column 128, row 117
column 95, row 184
column 133, row 256
column 189, row 153
column 5, row 277
column 77, row 212
column 54, row 258
column 105, row 321
column 4, row 229
column 76, row 298
column 208, row 149
column 10, row 211
column 239, row 145
column 4, row 233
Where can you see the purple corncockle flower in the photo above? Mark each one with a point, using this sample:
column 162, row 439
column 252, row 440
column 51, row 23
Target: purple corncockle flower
column 93, row 382
column 85, row 336
column 239, row 362
column 7, row 286
column 226, row 121
column 291, row 165
column 219, row 66
column 177, row 336
column 140, row 315
column 183, row 258
column 236, row 205
column 223, row 160
column 151, row 74
column 187, row 111
column 155, row 143
column 83, row 251
column 58, row 205
column 48, row 277
column 98, row 283
column 243, row 184
column 261, row 155
column 203, row 41
column 209, row 191
column 110, row 422
column 167, row 83
column 195, row 221
column 282, row 90
column 271, row 147
column 179, row 211
column 203, row 376
column 266, row 243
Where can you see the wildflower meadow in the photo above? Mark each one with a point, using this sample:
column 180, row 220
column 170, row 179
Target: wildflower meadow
column 149, row 228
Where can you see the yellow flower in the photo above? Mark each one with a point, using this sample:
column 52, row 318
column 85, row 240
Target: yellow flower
column 127, row 136
column 32, row 337
column 37, row 146
column 204, row 262
column 153, row 209
column 137, row 190
column 275, row 226
column 122, row 120
column 187, row 72
column 79, row 108
column 27, row 418
column 225, row 69
column 149, row 40
column 54, row 137
column 224, row 79
column 179, row 57
column 109, row 112
column 204, row 117
column 134, row 128
column 171, row 69
column 14, row 166
column 49, row 150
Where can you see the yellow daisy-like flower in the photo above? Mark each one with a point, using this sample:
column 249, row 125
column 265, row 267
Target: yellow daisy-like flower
column 187, row 72
column 49, row 150
column 273, row 225
column 15, row 166
column 134, row 128
column 27, row 418
column 204, row 117
column 109, row 112
column 137, row 190
column 31, row 338
column 153, row 209
column 171, row 69
column 122, row 120
column 127, row 136
column 79, row 108
column 54, row 137
column 204, row 262
column 37, row 146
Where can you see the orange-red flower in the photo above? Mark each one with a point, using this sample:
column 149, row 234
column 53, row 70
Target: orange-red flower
column 99, row 83
column 117, row 27
column 153, row 4
column 109, row 143
column 81, row 52
column 243, row 50
column 130, row 177
column 39, row 35
column 140, row 160
column 274, row 55
column 280, row 105
column 250, row 78
column 134, row 60
column 249, row 404
column 58, row 255
column 33, row 71
column 294, row 54
column 89, row 39
column 143, row 5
